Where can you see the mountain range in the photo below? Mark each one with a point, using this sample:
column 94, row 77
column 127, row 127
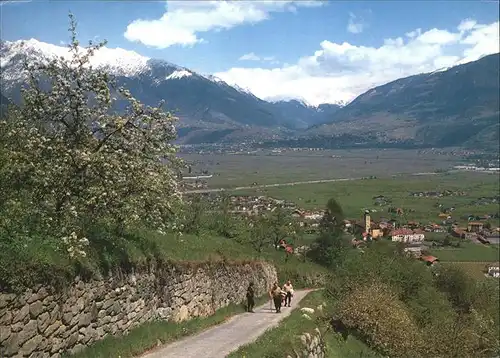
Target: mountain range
column 450, row 107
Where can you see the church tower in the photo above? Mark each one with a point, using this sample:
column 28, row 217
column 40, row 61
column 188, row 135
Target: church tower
column 367, row 222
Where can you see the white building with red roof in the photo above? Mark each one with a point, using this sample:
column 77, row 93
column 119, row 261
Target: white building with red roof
column 407, row 235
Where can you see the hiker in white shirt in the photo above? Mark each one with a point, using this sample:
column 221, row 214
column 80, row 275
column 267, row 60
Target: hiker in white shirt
column 288, row 288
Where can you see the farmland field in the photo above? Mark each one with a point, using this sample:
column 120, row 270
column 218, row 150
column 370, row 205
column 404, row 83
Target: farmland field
column 393, row 180
column 232, row 170
column 468, row 252
column 355, row 196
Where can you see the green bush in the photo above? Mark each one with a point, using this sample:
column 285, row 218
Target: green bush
column 448, row 314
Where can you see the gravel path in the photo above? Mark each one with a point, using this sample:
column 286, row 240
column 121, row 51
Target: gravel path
column 219, row 341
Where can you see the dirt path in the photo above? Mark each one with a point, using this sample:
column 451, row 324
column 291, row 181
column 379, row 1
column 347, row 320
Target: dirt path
column 219, row 341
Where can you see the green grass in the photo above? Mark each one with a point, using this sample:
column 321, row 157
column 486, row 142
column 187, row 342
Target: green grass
column 149, row 335
column 473, row 269
column 280, row 341
column 354, row 196
column 232, row 170
column 468, row 252
column 45, row 263
column 189, row 248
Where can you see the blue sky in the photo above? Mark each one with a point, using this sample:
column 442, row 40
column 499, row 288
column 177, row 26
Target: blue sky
column 276, row 36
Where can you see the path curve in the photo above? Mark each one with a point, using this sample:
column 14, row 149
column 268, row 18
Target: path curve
column 219, row 341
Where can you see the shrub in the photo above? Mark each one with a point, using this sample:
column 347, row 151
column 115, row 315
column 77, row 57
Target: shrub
column 383, row 320
column 399, row 305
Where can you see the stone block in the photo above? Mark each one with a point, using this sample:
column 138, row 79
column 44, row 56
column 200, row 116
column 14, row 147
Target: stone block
column 48, row 301
column 6, row 299
column 43, row 321
column 30, row 345
column 101, row 333
column 22, row 314
column 55, row 312
column 36, row 308
column 17, row 327
column 5, row 317
column 5, row 332
column 27, row 332
column 52, row 328
column 84, row 320
column 43, row 344
column 77, row 348
column 62, row 329
column 72, row 340
column 56, row 344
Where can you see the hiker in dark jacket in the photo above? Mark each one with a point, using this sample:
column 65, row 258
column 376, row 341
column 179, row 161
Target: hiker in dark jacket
column 277, row 297
column 250, row 297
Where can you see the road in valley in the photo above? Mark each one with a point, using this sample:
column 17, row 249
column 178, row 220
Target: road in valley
column 261, row 186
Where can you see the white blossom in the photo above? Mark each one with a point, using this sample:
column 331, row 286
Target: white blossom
column 77, row 161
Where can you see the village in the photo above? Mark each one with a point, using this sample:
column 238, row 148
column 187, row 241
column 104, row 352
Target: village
column 416, row 237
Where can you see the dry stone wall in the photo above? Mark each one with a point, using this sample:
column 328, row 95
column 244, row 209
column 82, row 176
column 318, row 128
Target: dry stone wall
column 313, row 346
column 43, row 322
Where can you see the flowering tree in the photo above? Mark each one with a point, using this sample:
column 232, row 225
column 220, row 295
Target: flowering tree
column 69, row 159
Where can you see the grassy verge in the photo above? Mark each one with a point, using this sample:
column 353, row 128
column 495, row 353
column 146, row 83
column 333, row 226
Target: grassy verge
column 43, row 260
column 149, row 335
column 469, row 252
column 473, row 269
column 280, row 341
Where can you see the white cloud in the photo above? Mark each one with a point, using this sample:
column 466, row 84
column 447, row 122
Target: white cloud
column 269, row 58
column 249, row 57
column 253, row 57
column 467, row 25
column 439, row 37
column 355, row 24
column 183, row 21
column 9, row 2
column 341, row 71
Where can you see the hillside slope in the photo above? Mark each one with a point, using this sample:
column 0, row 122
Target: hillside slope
column 458, row 106
column 302, row 115
column 209, row 109
column 444, row 108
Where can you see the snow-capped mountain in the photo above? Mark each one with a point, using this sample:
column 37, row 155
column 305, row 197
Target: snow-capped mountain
column 304, row 115
column 117, row 61
column 202, row 102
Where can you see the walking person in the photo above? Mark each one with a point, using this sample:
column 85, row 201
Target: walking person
column 277, row 297
column 250, row 298
column 288, row 288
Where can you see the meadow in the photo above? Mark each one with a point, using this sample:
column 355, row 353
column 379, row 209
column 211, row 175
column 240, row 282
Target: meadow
column 231, row 170
column 473, row 269
column 468, row 252
column 356, row 196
